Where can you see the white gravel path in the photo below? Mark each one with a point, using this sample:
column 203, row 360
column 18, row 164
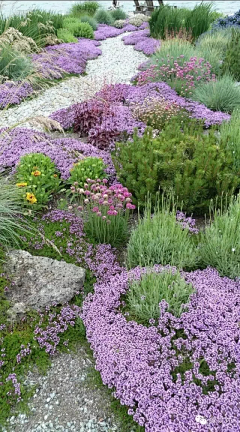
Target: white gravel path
column 117, row 64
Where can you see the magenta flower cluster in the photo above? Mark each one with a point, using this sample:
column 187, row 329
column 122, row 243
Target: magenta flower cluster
column 187, row 75
column 14, row 92
column 64, row 152
column 143, row 364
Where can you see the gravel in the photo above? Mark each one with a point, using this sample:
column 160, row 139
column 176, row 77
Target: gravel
column 117, row 64
column 66, row 400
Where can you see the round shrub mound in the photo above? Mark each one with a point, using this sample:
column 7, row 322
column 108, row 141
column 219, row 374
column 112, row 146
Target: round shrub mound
column 102, row 16
column 181, row 374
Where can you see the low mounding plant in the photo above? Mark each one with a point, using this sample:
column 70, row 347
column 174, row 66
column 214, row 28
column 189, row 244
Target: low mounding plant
column 78, row 28
column 231, row 63
column 230, row 21
column 230, row 137
column 144, row 295
column 102, row 16
column 87, row 168
column 138, row 19
column 65, row 35
column 118, row 14
column 220, row 95
column 105, row 210
column 172, row 50
column 167, row 19
column 14, row 65
column 10, row 209
column 38, row 178
column 161, row 239
column 87, row 7
column 90, row 20
column 220, row 246
column 119, row 23
column 182, row 159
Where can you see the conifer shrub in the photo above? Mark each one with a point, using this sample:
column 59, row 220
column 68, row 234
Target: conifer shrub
column 102, row 16
column 65, row 35
column 231, row 63
column 181, row 159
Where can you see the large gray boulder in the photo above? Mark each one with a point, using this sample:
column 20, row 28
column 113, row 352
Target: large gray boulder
column 40, row 281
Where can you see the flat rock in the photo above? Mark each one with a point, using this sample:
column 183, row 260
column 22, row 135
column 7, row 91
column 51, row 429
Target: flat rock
column 40, row 281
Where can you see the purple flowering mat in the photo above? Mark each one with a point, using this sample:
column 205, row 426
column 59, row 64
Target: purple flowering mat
column 138, row 362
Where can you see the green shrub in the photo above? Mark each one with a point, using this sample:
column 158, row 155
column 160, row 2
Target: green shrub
column 220, row 247
column 102, row 16
column 11, row 226
column 13, row 64
column 37, row 177
column 231, row 63
column 78, row 28
column 144, row 296
column 230, row 138
column 159, row 239
column 118, row 14
column 65, row 35
column 181, row 159
column 221, row 95
column 171, row 50
column 166, row 20
column 91, row 21
column 88, row 168
column 88, row 7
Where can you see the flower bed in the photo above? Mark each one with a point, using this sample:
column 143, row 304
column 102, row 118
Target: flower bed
column 64, row 152
column 142, row 41
column 12, row 93
column 183, row 373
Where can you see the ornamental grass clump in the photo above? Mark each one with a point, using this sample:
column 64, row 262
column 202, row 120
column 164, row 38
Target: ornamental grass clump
column 105, row 209
column 144, row 295
column 220, row 246
column 87, row 7
column 220, row 95
column 118, row 14
column 230, row 137
column 161, row 239
column 14, row 65
column 87, row 168
column 37, row 178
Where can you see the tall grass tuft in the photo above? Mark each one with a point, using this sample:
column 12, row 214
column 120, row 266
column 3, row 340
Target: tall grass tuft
column 159, row 239
column 83, row 8
column 14, row 65
column 11, row 225
column 220, row 246
column 221, row 95
column 118, row 14
column 171, row 50
column 230, row 137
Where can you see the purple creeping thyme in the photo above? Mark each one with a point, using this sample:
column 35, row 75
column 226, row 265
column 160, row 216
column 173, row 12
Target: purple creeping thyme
column 142, row 41
column 64, row 152
column 67, row 58
column 25, row 351
column 17, row 390
column 143, row 363
column 12, row 93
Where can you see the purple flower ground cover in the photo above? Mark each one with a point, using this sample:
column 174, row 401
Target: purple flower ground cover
column 12, row 93
column 142, row 41
column 182, row 374
column 64, row 152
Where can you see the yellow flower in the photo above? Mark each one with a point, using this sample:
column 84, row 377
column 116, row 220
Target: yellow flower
column 36, row 173
column 31, row 198
column 22, row 184
column 55, row 175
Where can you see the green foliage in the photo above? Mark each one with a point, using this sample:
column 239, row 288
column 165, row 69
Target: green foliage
column 87, row 7
column 231, row 63
column 99, row 230
column 230, row 138
column 78, row 28
column 102, row 16
column 90, row 20
column 37, row 177
column 220, row 246
column 11, row 226
column 144, row 295
column 87, row 168
column 13, row 64
column 65, row 35
column 36, row 24
column 159, row 239
column 167, row 19
column 221, row 95
column 171, row 50
column 181, row 159
column 118, row 14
